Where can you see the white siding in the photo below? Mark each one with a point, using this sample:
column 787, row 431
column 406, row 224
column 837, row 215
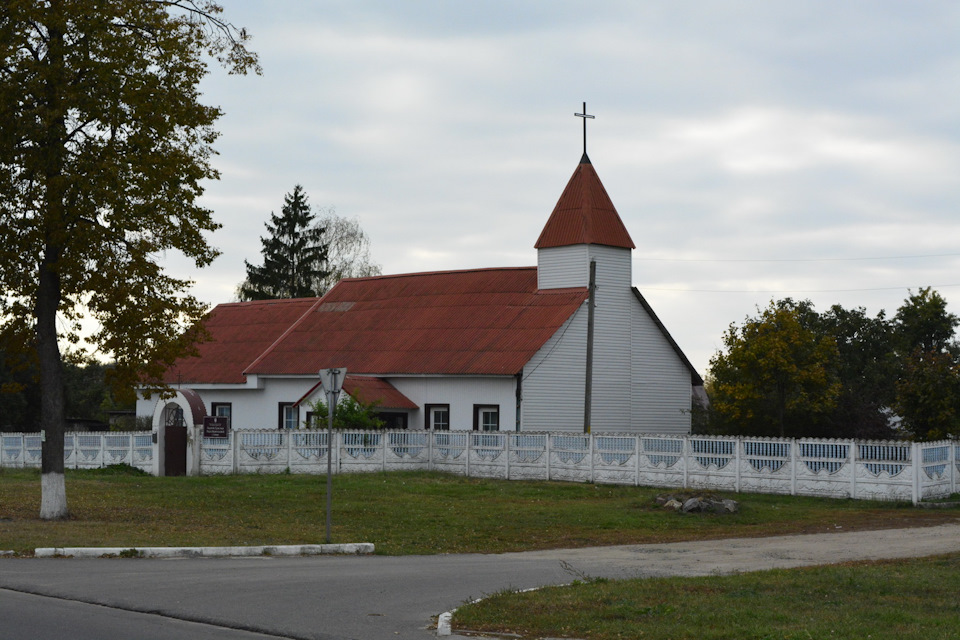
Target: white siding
column 563, row 267
column 610, row 410
column 553, row 380
column 640, row 384
column 662, row 389
column 553, row 388
column 461, row 393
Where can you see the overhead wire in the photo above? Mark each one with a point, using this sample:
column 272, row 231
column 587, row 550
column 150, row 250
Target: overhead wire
column 791, row 290
column 915, row 257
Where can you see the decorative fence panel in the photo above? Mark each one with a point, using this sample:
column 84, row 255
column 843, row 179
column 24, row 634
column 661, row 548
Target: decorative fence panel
column 712, row 463
column 614, row 459
column 767, row 466
column 824, row 468
column 885, row 470
column 487, row 455
column 308, row 451
column 570, row 457
column 81, row 450
column 449, row 452
column 217, row 455
column 260, row 451
column 528, row 456
column 912, row 471
column 662, row 461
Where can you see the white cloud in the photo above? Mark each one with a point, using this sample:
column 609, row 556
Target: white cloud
column 745, row 129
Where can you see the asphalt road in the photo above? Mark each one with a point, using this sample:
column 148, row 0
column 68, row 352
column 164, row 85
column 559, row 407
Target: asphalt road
column 369, row 597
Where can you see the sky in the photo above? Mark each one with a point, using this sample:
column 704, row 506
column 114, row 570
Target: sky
column 754, row 150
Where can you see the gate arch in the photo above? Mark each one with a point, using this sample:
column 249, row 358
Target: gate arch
column 176, row 425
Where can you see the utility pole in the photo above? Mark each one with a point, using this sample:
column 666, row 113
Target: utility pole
column 588, row 384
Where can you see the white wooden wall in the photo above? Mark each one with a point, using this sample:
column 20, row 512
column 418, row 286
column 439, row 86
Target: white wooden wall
column 661, row 394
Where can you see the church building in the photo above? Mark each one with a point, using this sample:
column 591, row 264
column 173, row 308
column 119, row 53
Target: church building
column 481, row 349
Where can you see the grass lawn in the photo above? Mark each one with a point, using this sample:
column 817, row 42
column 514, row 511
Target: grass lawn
column 400, row 512
column 890, row 600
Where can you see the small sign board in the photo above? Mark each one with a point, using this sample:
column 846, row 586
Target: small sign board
column 216, row 427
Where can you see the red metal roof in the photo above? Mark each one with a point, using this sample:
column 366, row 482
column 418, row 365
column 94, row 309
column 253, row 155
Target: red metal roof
column 584, row 214
column 366, row 390
column 484, row 322
column 240, row 333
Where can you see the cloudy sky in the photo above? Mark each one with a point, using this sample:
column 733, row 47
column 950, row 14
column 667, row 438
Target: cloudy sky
column 755, row 150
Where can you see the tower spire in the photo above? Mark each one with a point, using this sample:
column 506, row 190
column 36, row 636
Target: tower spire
column 584, row 115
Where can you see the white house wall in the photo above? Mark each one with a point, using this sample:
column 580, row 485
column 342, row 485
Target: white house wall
column 251, row 408
column 461, row 393
column 662, row 390
column 553, row 380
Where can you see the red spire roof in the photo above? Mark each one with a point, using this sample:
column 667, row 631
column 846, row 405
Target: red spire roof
column 584, row 214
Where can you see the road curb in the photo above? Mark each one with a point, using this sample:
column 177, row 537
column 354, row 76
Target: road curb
column 359, row 548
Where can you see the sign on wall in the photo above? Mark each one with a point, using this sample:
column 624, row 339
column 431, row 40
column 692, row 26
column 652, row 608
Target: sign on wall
column 216, row 427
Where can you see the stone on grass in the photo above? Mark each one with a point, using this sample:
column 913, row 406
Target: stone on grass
column 699, row 503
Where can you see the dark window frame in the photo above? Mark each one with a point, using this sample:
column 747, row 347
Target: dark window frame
column 428, row 416
column 386, row 416
column 217, row 405
column 478, row 408
column 281, row 423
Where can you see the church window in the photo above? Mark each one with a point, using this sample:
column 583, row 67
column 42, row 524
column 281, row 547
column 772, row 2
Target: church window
column 438, row 417
column 486, row 417
column 287, row 416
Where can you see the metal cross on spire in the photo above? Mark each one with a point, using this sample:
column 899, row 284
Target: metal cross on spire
column 584, row 116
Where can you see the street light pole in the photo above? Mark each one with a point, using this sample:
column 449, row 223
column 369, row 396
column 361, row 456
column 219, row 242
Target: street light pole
column 332, row 380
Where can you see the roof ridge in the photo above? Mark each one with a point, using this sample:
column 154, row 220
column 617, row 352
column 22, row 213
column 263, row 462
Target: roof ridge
column 437, row 273
column 285, row 333
column 270, row 301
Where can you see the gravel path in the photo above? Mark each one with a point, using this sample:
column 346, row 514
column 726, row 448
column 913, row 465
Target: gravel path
column 710, row 557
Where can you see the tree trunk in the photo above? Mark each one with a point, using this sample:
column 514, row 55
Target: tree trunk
column 53, row 500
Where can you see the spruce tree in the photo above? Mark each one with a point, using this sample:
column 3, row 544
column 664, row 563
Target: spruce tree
column 294, row 254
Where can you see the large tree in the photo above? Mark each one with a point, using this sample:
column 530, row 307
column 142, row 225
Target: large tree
column 866, row 367
column 908, row 367
column 294, row 254
column 923, row 323
column 348, row 250
column 775, row 376
column 928, row 382
column 104, row 145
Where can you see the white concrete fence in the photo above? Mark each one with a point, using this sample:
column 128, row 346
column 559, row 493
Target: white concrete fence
column 912, row 471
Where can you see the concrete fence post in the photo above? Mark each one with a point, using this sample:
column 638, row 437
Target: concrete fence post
column 853, row 469
column 506, row 461
column 737, row 444
column 547, row 452
column 917, row 463
column 636, row 461
column 794, row 461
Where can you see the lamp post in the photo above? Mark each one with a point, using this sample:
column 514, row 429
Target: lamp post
column 332, row 380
